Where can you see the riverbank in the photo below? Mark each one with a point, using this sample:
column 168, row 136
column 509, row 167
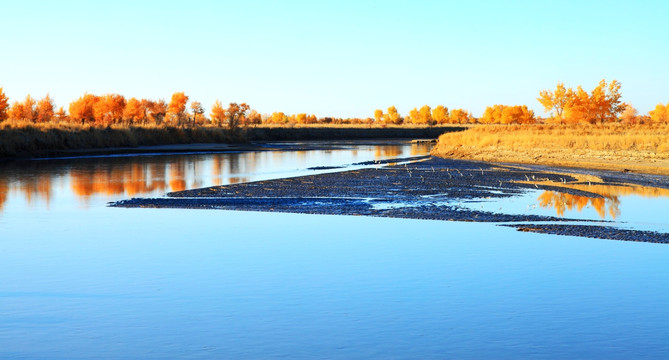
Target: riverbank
column 431, row 189
column 628, row 148
column 72, row 140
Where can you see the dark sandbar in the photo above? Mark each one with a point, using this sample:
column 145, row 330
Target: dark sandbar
column 431, row 189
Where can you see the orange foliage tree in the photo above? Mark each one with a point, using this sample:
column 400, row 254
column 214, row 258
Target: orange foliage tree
column 630, row 115
column 378, row 115
column 599, row 106
column 82, row 108
column 236, row 114
column 197, row 109
column 24, row 110
column 440, row 114
column 176, row 109
column 60, row 114
column 217, row 113
column 4, row 105
column 660, row 115
column 44, row 109
column 301, row 118
column 134, row 110
column 503, row 114
column 460, row 116
column 556, row 101
column 108, row 109
column 157, row 110
column 412, row 116
column 254, row 118
column 392, row 116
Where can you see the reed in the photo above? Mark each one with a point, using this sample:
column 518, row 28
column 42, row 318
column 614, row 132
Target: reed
column 23, row 139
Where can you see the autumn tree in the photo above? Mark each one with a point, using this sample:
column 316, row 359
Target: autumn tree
column 16, row 111
column 278, row 117
column 601, row 105
column 630, row 115
column 60, row 114
column 82, row 108
column 235, row 114
column 217, row 113
column 505, row 114
column 176, row 110
column 517, row 114
column 157, row 110
column 4, row 106
column 197, row 109
column 301, row 118
column 460, row 116
column 23, row 110
column 378, row 115
column 133, row 111
column 412, row 117
column 660, row 115
column 254, row 118
column 440, row 114
column 392, row 116
column 108, row 109
column 44, row 109
column 491, row 115
column 425, row 115
column 556, row 101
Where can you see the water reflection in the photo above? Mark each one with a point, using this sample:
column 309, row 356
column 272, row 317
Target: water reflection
column 112, row 178
column 607, row 203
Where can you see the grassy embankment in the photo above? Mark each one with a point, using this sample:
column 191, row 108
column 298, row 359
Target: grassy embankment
column 638, row 148
column 25, row 139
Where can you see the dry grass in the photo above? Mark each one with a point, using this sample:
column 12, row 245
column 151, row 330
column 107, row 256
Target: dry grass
column 642, row 148
column 27, row 139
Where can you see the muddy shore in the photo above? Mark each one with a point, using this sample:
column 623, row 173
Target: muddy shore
column 418, row 188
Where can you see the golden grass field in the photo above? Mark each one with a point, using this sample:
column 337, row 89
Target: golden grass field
column 638, row 148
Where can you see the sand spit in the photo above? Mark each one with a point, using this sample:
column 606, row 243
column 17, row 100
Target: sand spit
column 427, row 188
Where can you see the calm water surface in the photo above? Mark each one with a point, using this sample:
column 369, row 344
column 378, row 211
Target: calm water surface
column 80, row 280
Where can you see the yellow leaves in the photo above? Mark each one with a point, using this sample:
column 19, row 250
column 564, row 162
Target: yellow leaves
column 556, row 100
column 393, row 117
column 176, row 109
column 460, row 116
column 4, row 105
column 177, row 105
column 568, row 106
column 217, row 113
column 378, row 115
column 134, row 110
column 660, row 115
column 44, row 109
column 440, row 114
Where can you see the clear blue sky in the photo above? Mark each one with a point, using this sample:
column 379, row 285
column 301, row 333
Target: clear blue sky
column 339, row 58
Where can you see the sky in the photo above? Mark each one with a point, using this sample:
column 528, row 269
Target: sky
column 335, row 58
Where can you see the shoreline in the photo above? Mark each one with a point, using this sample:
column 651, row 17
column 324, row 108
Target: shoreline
column 583, row 160
column 33, row 143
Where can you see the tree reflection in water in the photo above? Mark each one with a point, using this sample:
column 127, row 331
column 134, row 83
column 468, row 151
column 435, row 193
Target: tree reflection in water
column 607, row 201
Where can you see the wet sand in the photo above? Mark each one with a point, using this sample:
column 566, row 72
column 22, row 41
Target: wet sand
column 419, row 188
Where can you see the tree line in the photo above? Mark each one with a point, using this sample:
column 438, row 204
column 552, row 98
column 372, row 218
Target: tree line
column 565, row 105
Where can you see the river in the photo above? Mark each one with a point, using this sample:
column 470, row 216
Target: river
column 81, row 280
